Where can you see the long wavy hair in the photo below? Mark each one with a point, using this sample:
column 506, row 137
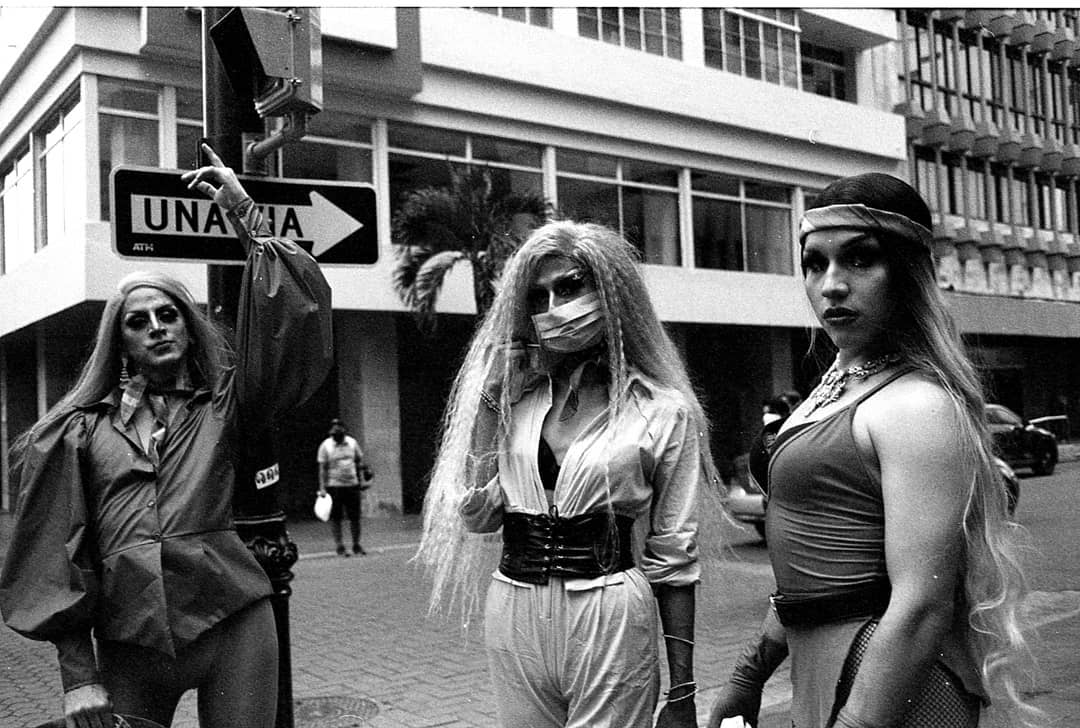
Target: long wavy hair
column 926, row 335
column 208, row 353
column 635, row 341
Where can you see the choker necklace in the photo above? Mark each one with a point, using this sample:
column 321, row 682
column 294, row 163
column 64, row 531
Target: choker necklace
column 834, row 380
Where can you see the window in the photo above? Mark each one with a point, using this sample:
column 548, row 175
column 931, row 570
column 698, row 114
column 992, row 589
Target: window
column 420, row 156
column 653, row 30
column 189, row 127
column 533, row 16
column 823, row 71
column 742, row 224
column 639, row 199
column 336, row 147
column 16, row 211
column 757, row 43
column 128, row 130
column 63, row 158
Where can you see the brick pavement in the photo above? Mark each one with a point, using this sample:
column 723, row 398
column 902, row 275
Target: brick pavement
column 360, row 633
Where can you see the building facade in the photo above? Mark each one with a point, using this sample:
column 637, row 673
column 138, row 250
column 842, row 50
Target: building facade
column 700, row 133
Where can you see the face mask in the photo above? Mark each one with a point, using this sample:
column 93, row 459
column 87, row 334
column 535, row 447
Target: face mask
column 574, row 326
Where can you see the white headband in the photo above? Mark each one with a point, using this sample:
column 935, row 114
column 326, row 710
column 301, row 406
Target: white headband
column 861, row 217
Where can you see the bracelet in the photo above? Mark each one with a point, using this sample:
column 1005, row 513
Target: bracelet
column 491, row 403
column 681, row 685
column 690, row 694
column 680, row 639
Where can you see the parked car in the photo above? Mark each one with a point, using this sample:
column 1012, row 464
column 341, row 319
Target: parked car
column 1020, row 443
column 745, row 502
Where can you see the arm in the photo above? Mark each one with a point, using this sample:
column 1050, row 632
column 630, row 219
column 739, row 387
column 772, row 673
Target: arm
column 284, row 338
column 924, row 486
column 49, row 582
column 670, row 557
column 324, row 469
column 677, row 610
column 481, row 508
column 756, row 664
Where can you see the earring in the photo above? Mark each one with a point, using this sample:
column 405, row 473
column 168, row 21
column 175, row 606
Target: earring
column 124, row 376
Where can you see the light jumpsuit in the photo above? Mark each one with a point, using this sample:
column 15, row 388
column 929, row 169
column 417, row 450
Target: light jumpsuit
column 583, row 652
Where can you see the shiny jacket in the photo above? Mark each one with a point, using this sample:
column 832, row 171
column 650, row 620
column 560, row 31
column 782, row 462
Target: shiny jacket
column 149, row 555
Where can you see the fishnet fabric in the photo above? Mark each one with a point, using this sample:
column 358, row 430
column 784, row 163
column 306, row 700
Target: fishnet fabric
column 941, row 703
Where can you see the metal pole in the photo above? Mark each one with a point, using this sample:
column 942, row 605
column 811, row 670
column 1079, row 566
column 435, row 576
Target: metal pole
column 258, row 516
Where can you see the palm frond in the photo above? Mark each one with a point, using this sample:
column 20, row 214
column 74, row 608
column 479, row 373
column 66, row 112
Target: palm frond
column 472, row 218
column 427, row 285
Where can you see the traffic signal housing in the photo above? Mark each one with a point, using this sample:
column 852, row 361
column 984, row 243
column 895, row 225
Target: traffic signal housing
column 273, row 57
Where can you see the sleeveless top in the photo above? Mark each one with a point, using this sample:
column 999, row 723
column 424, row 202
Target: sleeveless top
column 825, row 524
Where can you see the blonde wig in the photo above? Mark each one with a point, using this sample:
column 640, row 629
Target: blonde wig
column 457, row 561
column 208, row 354
column 925, row 334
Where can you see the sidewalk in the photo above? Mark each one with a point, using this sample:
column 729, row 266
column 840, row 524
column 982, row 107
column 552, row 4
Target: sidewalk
column 366, row 654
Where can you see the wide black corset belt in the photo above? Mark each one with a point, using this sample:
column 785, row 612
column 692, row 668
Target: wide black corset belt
column 867, row 600
column 537, row 546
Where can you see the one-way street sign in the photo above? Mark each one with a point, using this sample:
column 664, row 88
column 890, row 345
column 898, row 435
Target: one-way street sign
column 155, row 215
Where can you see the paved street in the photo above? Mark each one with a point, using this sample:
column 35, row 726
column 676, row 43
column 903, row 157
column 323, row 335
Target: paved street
column 365, row 653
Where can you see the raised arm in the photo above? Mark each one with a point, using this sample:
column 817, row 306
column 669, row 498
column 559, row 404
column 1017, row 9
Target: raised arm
column 284, row 337
column 912, row 429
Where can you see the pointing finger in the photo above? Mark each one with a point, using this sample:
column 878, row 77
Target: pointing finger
column 212, row 155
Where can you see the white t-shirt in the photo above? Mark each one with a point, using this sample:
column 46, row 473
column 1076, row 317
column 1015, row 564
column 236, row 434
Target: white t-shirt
column 341, row 461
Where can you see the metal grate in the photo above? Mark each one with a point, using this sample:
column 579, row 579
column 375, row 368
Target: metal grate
column 333, row 712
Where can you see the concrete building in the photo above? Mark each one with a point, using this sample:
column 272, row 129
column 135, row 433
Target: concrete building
column 699, row 132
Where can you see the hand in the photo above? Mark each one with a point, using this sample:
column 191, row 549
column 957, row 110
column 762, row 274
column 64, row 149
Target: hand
column 735, row 700
column 228, row 193
column 88, row 706
column 522, row 375
column 678, row 714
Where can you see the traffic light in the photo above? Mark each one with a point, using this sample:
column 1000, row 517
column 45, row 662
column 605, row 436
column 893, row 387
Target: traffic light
column 273, row 57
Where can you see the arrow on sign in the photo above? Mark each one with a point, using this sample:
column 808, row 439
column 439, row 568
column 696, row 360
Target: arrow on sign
column 329, row 223
column 320, row 222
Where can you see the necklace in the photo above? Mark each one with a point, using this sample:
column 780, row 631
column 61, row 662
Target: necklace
column 833, row 382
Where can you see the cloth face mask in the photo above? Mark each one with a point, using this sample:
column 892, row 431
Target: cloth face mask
column 574, row 326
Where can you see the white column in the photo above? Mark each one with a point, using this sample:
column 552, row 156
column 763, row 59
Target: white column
column 564, row 20
column 693, row 37
column 366, row 344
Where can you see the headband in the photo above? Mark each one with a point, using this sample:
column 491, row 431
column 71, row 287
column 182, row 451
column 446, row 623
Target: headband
column 861, row 217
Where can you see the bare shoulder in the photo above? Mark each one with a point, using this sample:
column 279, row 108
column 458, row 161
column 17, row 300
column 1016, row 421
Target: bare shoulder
column 914, row 409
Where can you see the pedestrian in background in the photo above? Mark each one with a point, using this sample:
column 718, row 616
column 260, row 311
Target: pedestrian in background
column 343, row 474
column 897, row 577
column 571, row 422
column 124, row 519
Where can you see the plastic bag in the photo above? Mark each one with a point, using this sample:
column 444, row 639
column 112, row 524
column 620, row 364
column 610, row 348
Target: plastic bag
column 323, row 504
